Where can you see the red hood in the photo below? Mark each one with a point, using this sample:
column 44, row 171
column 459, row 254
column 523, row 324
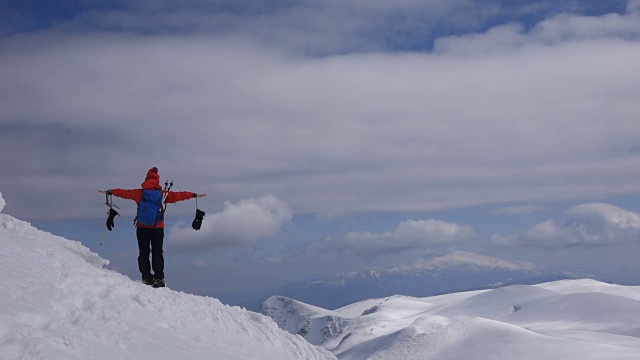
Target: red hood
column 152, row 181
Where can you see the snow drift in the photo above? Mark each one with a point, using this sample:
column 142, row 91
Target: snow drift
column 58, row 302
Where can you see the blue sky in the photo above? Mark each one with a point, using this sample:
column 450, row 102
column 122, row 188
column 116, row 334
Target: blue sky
column 328, row 135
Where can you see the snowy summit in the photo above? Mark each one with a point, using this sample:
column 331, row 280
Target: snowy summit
column 58, row 302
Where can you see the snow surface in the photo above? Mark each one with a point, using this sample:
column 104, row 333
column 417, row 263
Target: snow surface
column 58, row 302
column 568, row 319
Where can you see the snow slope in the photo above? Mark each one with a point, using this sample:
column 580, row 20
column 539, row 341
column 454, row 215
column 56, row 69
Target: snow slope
column 58, row 302
column 568, row 319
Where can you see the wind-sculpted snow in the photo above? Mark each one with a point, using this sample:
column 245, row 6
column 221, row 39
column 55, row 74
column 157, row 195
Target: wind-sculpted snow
column 316, row 325
column 569, row 319
column 58, row 302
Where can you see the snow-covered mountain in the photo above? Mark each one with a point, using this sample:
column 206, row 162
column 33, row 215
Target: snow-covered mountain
column 567, row 319
column 457, row 271
column 58, row 302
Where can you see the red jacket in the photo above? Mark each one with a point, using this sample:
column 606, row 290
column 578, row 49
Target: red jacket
column 152, row 183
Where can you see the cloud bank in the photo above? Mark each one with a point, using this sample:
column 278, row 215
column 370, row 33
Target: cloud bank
column 512, row 112
column 239, row 224
column 410, row 235
column 588, row 225
column 421, row 131
column 563, row 28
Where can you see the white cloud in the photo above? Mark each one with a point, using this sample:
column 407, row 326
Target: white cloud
column 499, row 38
column 588, row 224
column 239, row 224
column 563, row 28
column 2, row 202
column 633, row 6
column 410, row 235
column 573, row 28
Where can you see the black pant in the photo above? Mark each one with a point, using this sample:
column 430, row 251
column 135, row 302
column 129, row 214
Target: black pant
column 150, row 242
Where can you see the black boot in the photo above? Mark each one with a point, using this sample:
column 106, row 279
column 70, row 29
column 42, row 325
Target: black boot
column 158, row 283
column 147, row 280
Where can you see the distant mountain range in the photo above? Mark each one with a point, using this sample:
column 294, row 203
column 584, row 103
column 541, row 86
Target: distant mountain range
column 455, row 272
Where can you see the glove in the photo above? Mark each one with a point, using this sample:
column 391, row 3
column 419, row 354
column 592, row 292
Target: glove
column 197, row 222
column 112, row 214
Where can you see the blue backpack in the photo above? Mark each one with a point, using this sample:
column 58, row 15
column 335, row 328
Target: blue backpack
column 150, row 210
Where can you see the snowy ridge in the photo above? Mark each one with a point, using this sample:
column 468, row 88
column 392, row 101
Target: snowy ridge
column 567, row 319
column 315, row 324
column 58, row 302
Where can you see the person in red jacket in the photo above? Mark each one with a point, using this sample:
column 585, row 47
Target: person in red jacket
column 151, row 237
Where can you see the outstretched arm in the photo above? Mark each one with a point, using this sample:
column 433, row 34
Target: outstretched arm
column 135, row 194
column 175, row 196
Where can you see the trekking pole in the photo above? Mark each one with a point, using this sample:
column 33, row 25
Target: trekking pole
column 167, row 187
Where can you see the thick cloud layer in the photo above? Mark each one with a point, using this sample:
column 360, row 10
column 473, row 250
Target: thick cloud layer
column 588, row 224
column 517, row 109
column 347, row 133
